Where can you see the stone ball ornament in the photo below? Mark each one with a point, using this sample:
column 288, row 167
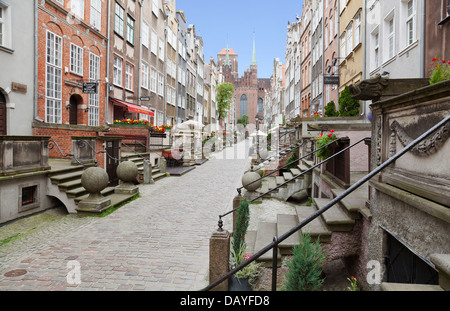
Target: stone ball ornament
column 94, row 179
column 251, row 177
column 127, row 171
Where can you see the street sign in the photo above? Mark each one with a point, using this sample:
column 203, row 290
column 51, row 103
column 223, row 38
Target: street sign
column 331, row 80
column 90, row 88
column 145, row 98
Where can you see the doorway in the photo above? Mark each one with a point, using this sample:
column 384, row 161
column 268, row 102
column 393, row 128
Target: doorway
column 403, row 266
column 112, row 160
column 74, row 101
column 2, row 114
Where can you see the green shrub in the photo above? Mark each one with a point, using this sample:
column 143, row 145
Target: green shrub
column 330, row 110
column 348, row 107
column 240, row 230
column 305, row 267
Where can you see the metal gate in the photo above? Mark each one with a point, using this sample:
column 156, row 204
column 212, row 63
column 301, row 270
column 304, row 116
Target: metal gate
column 403, row 266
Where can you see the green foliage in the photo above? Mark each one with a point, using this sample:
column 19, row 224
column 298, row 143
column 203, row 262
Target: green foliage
column 238, row 256
column 440, row 71
column 224, row 94
column 348, row 107
column 330, row 110
column 322, row 140
column 305, row 267
column 240, row 231
column 292, row 158
column 243, row 120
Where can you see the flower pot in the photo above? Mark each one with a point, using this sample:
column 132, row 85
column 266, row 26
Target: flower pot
column 237, row 284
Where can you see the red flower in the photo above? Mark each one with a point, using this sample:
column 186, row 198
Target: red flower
column 330, row 135
column 434, row 59
column 331, row 131
column 321, row 134
column 449, row 62
column 443, row 61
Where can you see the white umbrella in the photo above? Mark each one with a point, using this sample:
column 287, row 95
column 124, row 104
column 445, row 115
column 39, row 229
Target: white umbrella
column 259, row 133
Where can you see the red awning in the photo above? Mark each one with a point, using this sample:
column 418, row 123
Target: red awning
column 133, row 107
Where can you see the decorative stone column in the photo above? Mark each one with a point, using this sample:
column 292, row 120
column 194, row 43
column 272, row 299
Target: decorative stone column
column 94, row 180
column 127, row 172
column 219, row 258
column 148, row 178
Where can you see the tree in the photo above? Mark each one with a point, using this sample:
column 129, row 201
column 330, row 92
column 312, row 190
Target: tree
column 224, row 95
column 348, row 107
column 243, row 120
column 305, row 267
column 330, row 110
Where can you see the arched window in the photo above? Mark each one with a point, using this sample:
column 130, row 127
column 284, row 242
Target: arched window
column 260, row 105
column 243, row 104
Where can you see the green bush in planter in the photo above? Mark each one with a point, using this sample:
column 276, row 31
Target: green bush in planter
column 241, row 226
column 305, row 267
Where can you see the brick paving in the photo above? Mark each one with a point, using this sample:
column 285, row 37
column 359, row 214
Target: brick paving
column 157, row 242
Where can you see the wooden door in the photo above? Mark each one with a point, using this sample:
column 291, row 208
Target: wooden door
column 2, row 115
column 112, row 161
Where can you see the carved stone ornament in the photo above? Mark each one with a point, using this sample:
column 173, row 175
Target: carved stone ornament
column 427, row 146
column 369, row 89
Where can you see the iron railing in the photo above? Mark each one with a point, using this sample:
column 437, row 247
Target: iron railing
column 278, row 240
column 286, row 165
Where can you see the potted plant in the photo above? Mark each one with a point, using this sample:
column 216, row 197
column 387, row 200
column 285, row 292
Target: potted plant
column 244, row 279
column 440, row 70
column 322, row 140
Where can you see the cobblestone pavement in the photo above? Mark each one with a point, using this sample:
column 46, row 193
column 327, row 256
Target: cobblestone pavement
column 157, row 242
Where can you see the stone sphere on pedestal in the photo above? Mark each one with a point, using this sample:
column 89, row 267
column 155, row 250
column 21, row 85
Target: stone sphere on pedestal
column 94, row 179
column 250, row 177
column 127, row 171
column 263, row 153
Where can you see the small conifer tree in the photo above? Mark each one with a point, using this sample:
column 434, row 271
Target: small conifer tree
column 330, row 110
column 348, row 107
column 242, row 222
column 305, row 267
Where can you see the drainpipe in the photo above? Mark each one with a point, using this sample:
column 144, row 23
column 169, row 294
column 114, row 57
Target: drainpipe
column 140, row 54
column 422, row 40
column 107, row 62
column 35, row 96
column 364, row 12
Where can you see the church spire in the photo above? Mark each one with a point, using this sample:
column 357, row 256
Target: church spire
column 254, row 62
column 227, row 56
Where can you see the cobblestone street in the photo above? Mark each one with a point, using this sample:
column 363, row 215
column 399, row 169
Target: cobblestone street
column 157, row 242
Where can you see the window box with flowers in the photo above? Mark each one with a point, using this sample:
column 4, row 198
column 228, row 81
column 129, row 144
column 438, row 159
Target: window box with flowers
column 322, row 140
column 143, row 123
column 440, row 70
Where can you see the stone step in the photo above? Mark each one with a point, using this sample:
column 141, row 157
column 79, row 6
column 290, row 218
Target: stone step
column 317, row 228
column 250, row 239
column 266, row 232
column 354, row 202
column 285, row 223
column 295, row 171
column 64, row 170
column 385, row 286
column 158, row 176
column 279, row 180
column 271, row 181
column 302, row 167
column 68, row 185
column 76, row 192
column 442, row 264
column 62, row 178
column 105, row 192
column 287, row 176
column 336, row 218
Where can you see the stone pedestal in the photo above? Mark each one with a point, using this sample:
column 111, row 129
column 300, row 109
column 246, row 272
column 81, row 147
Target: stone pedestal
column 94, row 180
column 127, row 172
column 219, row 258
column 148, row 178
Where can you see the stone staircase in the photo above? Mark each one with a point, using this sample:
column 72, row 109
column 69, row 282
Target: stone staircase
column 138, row 159
column 339, row 218
column 64, row 183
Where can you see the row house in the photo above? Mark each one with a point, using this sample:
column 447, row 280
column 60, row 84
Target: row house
column 317, row 57
column 191, row 73
column 305, row 62
column 292, row 59
column 330, row 51
column 181, row 68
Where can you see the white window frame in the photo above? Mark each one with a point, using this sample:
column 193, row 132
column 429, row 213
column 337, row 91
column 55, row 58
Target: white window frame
column 129, row 72
column 5, row 25
column 357, row 34
column 161, row 49
column 343, row 45
column 349, row 35
column 145, row 34
column 154, row 42
column 375, row 38
column 96, row 14
column 389, row 35
column 53, row 77
column 77, row 8
column 119, row 20
column 160, row 84
column 131, row 26
column 153, row 80
column 76, row 59
column 94, row 76
column 155, row 7
column 410, row 20
column 117, row 72
column 145, row 75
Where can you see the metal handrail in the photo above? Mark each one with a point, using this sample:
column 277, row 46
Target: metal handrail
column 305, row 156
column 278, row 240
column 295, row 177
column 65, row 155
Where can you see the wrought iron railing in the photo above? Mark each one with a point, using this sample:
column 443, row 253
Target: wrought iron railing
column 278, row 240
column 288, row 164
